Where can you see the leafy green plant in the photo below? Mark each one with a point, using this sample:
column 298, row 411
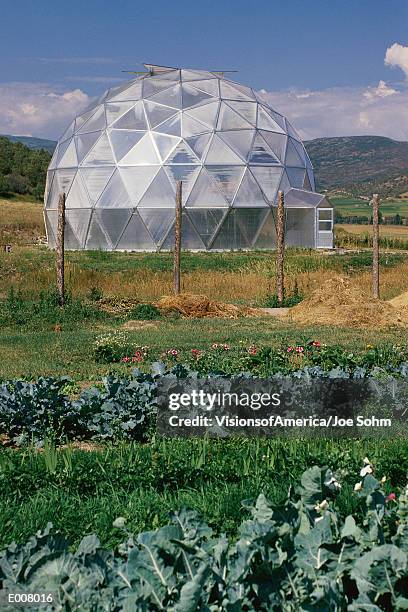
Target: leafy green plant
column 145, row 312
column 298, row 555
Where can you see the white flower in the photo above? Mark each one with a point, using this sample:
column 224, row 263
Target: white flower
column 366, row 470
column 366, row 461
column 119, row 523
column 358, row 486
column 322, row 506
column 383, row 479
column 334, row 482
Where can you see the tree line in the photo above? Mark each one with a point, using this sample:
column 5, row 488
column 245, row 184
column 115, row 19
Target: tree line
column 22, row 170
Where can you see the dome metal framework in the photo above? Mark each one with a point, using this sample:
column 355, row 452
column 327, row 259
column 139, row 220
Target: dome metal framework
column 118, row 164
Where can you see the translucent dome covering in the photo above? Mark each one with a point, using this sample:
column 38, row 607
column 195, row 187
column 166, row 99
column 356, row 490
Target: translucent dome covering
column 119, row 162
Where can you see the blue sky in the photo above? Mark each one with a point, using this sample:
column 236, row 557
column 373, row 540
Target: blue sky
column 316, row 57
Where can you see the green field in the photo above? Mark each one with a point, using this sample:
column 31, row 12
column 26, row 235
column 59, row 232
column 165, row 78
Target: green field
column 349, row 206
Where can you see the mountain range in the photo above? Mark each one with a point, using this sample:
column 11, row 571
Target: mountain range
column 360, row 165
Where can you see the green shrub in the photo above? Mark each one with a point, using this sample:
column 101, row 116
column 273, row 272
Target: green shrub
column 145, row 312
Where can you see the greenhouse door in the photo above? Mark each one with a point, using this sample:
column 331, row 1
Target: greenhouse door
column 324, row 224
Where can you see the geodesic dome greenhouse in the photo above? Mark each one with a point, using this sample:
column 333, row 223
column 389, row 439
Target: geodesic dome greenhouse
column 118, row 164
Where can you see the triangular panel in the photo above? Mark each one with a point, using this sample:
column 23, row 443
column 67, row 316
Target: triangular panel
column 247, row 110
column 81, row 119
column 292, row 156
column 112, row 222
column 84, row 143
column 100, row 154
column 296, row 177
column 240, row 141
column 206, row 222
column 143, row 153
column 265, row 122
column 157, row 221
column 115, row 110
column 131, row 92
column 194, row 97
column 78, row 195
column 292, row 132
column 277, row 143
column 97, row 238
column 96, row 122
column 155, row 84
column 78, row 222
column 250, row 222
column 135, row 236
column 172, row 126
column 306, row 183
column 123, row 141
column 205, row 192
column 160, row 193
column 182, row 154
column 169, row 97
column 136, row 180
column 157, row 113
column 115, row 194
column 191, row 127
column 60, row 184
column 189, row 237
column 95, row 180
column 199, row 144
column 164, row 144
column 67, row 156
column 249, row 193
column 230, row 120
column 268, row 178
column 207, row 114
column 233, row 91
column 196, row 75
column 230, row 234
column 284, row 184
column 228, row 179
column 209, row 86
column 261, row 154
column 220, row 153
column 266, row 238
column 187, row 174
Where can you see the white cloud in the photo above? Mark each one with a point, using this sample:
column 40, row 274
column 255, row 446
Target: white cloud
column 345, row 111
column 37, row 109
column 397, row 56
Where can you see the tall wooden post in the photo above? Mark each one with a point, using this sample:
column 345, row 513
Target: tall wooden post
column 376, row 246
column 280, row 230
column 177, row 237
column 60, row 250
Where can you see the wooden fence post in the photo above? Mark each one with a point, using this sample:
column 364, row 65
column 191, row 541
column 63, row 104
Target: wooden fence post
column 60, row 250
column 177, row 237
column 280, row 290
column 376, row 246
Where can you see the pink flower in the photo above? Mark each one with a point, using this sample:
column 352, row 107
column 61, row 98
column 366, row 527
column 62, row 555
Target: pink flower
column 172, row 352
column 316, row 343
column 126, row 359
column 252, row 350
column 137, row 357
column 196, row 353
column 391, row 497
column 226, row 347
column 299, row 349
column 289, row 349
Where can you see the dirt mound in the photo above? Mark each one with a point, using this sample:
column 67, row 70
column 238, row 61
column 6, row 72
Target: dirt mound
column 400, row 301
column 339, row 302
column 199, row 306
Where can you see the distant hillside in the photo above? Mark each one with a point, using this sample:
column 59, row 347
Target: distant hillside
column 22, row 170
column 33, row 143
column 360, row 164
